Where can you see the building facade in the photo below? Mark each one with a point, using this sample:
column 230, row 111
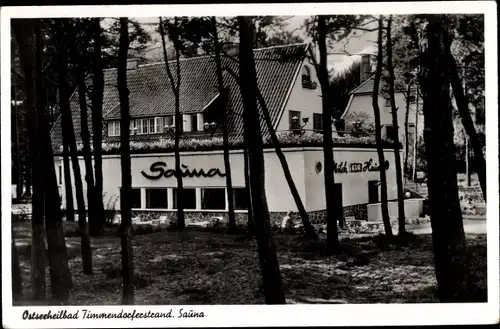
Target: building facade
column 289, row 86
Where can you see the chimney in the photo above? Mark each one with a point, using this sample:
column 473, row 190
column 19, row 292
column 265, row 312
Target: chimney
column 132, row 63
column 365, row 69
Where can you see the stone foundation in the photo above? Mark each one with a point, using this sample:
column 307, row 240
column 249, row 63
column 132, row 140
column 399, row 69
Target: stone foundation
column 317, row 218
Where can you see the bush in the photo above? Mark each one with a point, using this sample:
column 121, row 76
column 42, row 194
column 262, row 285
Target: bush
column 110, row 210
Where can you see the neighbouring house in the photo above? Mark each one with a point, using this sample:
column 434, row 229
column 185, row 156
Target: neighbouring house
column 290, row 88
column 360, row 108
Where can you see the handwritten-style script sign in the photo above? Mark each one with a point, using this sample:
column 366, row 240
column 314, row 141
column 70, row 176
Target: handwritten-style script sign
column 345, row 167
column 159, row 169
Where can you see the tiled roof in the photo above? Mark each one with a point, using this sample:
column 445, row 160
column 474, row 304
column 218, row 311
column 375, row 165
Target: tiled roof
column 365, row 87
column 151, row 94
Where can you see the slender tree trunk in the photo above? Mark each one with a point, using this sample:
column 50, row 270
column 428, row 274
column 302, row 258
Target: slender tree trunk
column 332, row 214
column 378, row 133
column 251, row 224
column 225, row 129
column 19, row 180
column 181, row 223
column 266, row 248
column 467, row 166
column 68, row 187
column 397, row 155
column 308, row 228
column 407, row 133
column 448, row 236
column 126, row 190
column 69, row 135
column 23, row 32
column 28, row 175
column 89, row 176
column 415, row 139
column 96, row 224
column 56, row 245
column 463, row 109
column 17, row 279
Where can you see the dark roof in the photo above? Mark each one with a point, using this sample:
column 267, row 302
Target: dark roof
column 365, row 87
column 151, row 94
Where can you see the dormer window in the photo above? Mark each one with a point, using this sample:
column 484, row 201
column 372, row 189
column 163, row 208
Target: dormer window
column 306, row 78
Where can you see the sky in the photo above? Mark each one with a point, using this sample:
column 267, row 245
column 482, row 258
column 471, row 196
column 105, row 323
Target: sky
column 362, row 43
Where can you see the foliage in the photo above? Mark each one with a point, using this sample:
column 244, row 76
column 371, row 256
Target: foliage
column 286, row 139
column 359, row 124
column 110, row 210
column 341, row 85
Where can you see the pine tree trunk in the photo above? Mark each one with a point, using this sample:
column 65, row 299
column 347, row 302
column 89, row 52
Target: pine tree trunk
column 225, row 130
column 308, row 228
column 273, row 291
column 407, row 133
column 397, row 154
column 17, row 280
column 181, row 223
column 23, row 33
column 19, row 179
column 447, row 235
column 251, row 224
column 60, row 276
column 126, row 190
column 378, row 134
column 332, row 213
column 69, row 135
column 415, row 139
column 68, row 187
column 96, row 224
column 463, row 108
column 28, row 176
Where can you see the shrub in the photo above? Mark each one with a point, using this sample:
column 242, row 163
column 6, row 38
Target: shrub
column 110, row 210
column 206, row 143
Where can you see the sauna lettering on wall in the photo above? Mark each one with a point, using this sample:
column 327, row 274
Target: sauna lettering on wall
column 345, row 167
column 159, row 169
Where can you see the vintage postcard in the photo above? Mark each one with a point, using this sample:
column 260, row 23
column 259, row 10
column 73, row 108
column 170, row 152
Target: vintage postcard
column 250, row 164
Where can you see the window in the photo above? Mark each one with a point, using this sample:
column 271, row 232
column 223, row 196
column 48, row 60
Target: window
column 373, row 191
column 136, row 198
column 158, row 124
column 390, row 132
column 143, row 126
column 156, row 198
column 306, row 74
column 194, row 122
column 60, row 175
column 169, row 120
column 213, row 198
column 387, row 102
column 133, row 126
column 294, row 119
column 138, row 125
column 412, row 99
column 188, row 198
column 317, row 121
column 114, row 128
column 151, row 125
column 240, row 197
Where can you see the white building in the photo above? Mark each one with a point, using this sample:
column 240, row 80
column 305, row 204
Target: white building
column 290, row 88
column 360, row 102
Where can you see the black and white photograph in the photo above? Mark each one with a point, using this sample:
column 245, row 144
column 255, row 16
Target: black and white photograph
column 168, row 161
